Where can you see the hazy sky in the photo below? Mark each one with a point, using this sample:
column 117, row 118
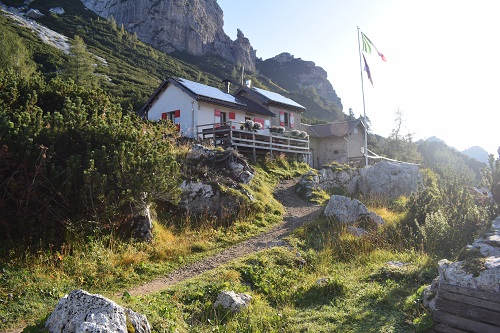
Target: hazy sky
column 442, row 66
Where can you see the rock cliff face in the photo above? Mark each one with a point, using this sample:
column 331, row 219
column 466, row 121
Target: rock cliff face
column 192, row 26
column 296, row 74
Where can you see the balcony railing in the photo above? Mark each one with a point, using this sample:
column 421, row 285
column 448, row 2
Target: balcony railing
column 229, row 134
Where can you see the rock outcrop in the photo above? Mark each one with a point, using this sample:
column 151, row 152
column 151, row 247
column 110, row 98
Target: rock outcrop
column 80, row 311
column 208, row 192
column 479, row 264
column 385, row 179
column 191, row 26
column 477, row 267
column 390, row 179
column 297, row 75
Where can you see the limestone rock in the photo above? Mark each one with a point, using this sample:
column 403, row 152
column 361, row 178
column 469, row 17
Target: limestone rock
column 191, row 26
column 480, row 265
column 350, row 211
column 57, row 10
column 34, row 13
column 232, row 301
column 327, row 179
column 81, row 312
column 345, row 209
column 486, row 277
column 390, row 179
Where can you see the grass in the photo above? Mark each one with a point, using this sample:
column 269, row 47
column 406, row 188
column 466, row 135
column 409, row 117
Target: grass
column 31, row 284
column 363, row 295
column 325, row 280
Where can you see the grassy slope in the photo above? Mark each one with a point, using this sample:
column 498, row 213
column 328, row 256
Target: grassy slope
column 360, row 292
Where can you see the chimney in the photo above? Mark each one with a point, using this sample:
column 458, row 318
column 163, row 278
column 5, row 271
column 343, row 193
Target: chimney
column 227, row 83
column 249, row 83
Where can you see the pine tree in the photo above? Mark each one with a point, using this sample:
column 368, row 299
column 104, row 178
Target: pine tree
column 81, row 64
column 15, row 56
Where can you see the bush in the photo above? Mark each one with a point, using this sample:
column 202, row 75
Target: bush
column 71, row 160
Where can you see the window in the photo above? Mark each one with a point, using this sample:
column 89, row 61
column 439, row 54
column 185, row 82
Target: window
column 286, row 118
column 172, row 115
column 223, row 117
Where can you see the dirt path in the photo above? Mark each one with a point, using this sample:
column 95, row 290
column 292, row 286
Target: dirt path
column 297, row 213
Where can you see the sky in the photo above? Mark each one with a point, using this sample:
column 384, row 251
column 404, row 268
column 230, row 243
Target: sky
column 442, row 68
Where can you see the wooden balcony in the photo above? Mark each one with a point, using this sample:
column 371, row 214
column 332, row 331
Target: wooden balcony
column 256, row 142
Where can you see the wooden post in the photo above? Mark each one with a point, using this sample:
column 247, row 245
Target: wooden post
column 254, row 150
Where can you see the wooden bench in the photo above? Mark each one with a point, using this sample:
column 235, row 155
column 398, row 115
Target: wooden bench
column 460, row 310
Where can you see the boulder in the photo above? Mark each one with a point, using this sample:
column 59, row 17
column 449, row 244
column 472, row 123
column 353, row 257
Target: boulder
column 390, row 179
column 81, row 312
column 350, row 211
column 345, row 209
column 232, row 301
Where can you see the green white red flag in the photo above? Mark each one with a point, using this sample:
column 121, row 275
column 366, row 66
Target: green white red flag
column 368, row 45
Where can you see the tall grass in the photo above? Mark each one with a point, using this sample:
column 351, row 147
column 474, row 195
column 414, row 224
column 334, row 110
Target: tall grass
column 31, row 283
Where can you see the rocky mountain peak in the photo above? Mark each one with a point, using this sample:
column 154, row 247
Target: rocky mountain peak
column 192, row 26
column 295, row 74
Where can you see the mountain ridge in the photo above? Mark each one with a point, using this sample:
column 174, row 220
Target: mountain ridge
column 312, row 88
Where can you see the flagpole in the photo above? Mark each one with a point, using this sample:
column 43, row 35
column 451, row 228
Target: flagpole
column 364, row 107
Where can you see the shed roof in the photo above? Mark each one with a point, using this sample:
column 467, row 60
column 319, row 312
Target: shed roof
column 338, row 129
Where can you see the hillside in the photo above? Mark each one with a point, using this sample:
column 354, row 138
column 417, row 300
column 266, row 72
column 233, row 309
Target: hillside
column 135, row 69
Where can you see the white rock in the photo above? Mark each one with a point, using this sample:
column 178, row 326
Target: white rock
column 81, row 312
column 34, row 13
column 197, row 189
column 232, row 301
column 390, row 179
column 57, row 10
column 345, row 209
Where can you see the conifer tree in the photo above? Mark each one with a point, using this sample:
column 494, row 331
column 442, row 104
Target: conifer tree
column 81, row 64
column 15, row 56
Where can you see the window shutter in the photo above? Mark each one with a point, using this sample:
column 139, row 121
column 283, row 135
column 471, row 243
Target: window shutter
column 217, row 113
column 259, row 120
column 177, row 113
column 164, row 115
column 291, row 120
column 282, row 118
column 232, row 115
